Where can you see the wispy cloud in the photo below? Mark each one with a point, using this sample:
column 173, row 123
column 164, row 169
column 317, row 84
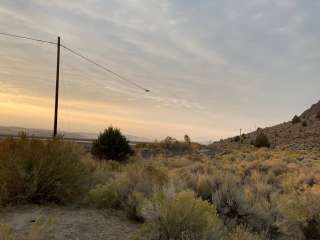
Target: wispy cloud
column 216, row 66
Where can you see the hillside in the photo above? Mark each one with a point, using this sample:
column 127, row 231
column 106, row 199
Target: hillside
column 303, row 135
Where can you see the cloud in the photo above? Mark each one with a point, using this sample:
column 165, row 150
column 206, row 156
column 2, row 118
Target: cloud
column 206, row 62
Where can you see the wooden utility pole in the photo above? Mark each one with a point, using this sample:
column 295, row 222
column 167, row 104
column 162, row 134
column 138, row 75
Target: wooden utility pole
column 55, row 126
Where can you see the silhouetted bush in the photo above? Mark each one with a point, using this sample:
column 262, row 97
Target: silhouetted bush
column 262, row 141
column 111, row 145
column 296, row 120
column 34, row 171
column 237, row 139
column 187, row 139
column 304, row 124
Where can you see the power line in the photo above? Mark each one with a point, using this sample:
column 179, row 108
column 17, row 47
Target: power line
column 25, row 37
column 79, row 55
column 104, row 68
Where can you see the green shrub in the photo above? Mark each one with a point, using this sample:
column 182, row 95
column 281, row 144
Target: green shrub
column 129, row 190
column 300, row 215
column 233, row 206
column 111, row 145
column 134, row 205
column 229, row 199
column 104, row 196
column 179, row 216
column 261, row 141
column 34, row 171
column 296, row 120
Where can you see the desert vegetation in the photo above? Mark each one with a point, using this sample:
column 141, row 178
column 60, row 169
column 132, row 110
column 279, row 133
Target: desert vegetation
column 244, row 192
column 111, row 145
column 168, row 147
column 261, row 141
column 33, row 171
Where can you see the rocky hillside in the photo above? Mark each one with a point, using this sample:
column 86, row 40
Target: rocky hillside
column 301, row 134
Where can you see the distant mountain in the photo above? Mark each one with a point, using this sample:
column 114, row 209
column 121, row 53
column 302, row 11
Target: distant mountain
column 304, row 135
column 48, row 133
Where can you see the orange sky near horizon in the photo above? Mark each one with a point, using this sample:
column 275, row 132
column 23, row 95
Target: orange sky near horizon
column 37, row 112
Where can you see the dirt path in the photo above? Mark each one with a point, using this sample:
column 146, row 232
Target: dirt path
column 59, row 223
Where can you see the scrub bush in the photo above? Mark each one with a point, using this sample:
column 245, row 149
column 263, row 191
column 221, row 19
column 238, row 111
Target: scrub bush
column 179, row 216
column 34, row 171
column 111, row 145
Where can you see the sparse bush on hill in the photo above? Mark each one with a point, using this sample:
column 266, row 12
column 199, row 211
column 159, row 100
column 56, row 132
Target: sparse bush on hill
column 318, row 115
column 187, row 139
column 111, row 145
column 304, row 124
column 261, row 140
column 34, row 171
column 296, row 120
column 237, row 139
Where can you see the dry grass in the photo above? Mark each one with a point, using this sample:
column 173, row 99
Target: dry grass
column 249, row 187
column 254, row 193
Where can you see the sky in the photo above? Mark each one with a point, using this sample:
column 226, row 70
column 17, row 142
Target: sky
column 213, row 66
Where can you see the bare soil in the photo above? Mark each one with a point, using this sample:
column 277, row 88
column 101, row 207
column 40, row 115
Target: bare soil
column 73, row 223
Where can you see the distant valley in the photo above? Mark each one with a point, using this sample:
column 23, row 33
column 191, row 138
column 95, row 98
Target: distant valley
column 4, row 130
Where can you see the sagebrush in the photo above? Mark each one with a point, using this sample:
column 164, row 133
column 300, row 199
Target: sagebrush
column 34, row 171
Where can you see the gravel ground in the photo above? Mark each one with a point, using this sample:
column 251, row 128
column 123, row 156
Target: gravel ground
column 59, row 223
